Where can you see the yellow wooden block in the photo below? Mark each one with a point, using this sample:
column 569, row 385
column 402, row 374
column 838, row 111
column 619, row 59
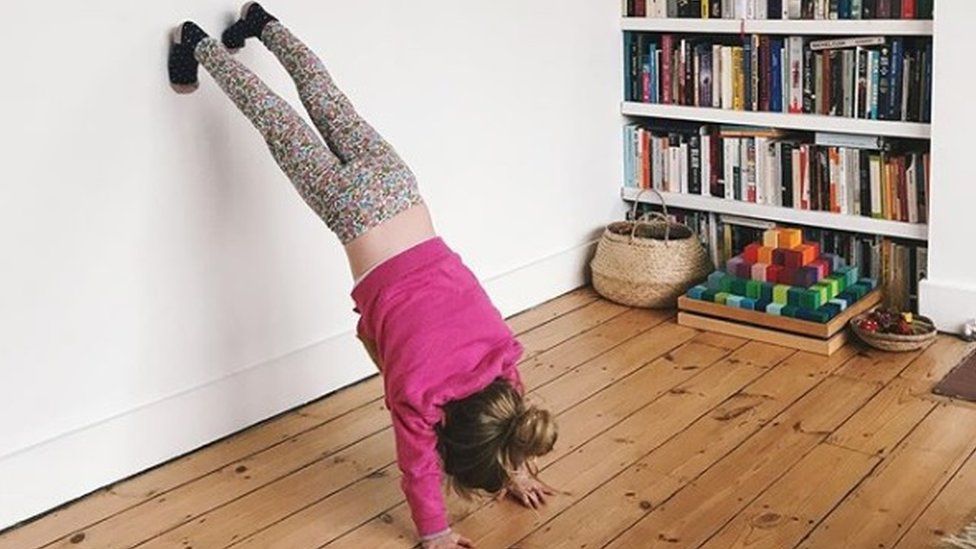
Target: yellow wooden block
column 790, row 238
column 771, row 238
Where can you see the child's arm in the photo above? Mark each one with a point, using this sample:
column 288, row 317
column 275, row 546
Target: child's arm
column 417, row 458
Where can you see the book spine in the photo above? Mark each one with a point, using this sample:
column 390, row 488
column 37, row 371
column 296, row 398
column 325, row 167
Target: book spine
column 667, row 56
column 875, row 83
column 908, row 9
column 695, row 166
column 894, row 111
column 747, row 72
column 809, row 81
column 776, row 75
column 796, row 73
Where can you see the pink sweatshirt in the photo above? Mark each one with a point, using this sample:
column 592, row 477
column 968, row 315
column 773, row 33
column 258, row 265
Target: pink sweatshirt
column 438, row 338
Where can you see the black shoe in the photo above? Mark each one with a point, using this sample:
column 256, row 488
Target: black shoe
column 182, row 63
column 252, row 22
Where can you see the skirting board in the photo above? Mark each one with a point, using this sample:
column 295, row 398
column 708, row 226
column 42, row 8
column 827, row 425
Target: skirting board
column 46, row 475
column 949, row 305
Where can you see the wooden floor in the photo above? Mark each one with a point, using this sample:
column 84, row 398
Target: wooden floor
column 669, row 437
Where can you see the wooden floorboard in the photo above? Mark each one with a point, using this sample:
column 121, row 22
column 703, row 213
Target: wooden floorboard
column 669, row 437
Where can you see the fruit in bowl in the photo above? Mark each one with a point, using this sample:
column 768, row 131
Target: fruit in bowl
column 889, row 321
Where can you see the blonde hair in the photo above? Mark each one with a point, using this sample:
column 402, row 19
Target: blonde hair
column 489, row 435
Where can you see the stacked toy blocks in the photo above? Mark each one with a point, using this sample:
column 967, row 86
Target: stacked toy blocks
column 785, row 276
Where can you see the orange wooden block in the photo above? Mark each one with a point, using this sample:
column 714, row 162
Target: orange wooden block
column 766, row 255
column 771, row 238
column 808, row 253
column 790, row 238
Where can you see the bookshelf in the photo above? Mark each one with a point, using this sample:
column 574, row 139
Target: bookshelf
column 848, row 27
column 806, row 122
column 823, row 220
column 637, row 111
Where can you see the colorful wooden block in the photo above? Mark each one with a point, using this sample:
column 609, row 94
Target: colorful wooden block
column 833, row 287
column 739, row 286
column 733, row 264
column 794, row 296
column 762, row 305
column 790, row 238
column 696, row 292
column 748, row 304
column 840, row 303
column 807, row 276
column 759, row 272
column 824, row 291
column 841, row 281
column 813, row 315
column 734, row 301
column 781, row 294
column 822, row 267
column 835, row 261
column 753, row 289
column 721, row 298
column 793, row 258
column 810, row 299
column 715, row 280
column 790, row 311
column 831, row 310
column 773, row 272
column 779, row 256
column 775, row 309
column 787, row 276
column 766, row 291
column 765, row 254
column 869, row 282
column 751, row 253
column 771, row 238
column 850, row 274
column 808, row 253
column 815, row 246
column 709, row 296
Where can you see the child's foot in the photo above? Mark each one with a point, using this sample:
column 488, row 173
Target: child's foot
column 252, row 22
column 182, row 62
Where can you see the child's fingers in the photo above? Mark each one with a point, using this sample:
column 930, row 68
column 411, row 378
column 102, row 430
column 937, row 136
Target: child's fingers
column 465, row 542
column 540, row 495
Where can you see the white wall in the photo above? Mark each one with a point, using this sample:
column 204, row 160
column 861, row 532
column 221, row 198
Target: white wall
column 949, row 294
column 161, row 284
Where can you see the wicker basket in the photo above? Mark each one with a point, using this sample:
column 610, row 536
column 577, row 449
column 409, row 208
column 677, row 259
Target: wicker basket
column 648, row 263
column 924, row 333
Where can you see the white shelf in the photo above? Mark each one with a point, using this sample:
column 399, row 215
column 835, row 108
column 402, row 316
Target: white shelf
column 845, row 27
column 826, row 220
column 806, row 122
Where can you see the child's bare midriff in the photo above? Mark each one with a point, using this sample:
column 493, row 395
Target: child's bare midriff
column 405, row 230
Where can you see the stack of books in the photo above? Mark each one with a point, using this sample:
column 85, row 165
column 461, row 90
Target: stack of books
column 873, row 78
column 780, row 9
column 841, row 173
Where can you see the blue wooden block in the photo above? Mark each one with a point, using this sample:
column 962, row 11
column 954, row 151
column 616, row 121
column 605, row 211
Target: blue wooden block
column 696, row 292
column 734, row 301
column 840, row 303
column 748, row 303
column 715, row 281
column 762, row 305
column 775, row 309
column 831, row 310
column 790, row 311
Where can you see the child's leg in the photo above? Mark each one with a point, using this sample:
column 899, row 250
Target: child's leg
column 383, row 209
column 349, row 136
column 295, row 146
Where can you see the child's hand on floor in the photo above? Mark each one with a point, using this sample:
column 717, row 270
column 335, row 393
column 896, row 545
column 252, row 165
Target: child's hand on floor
column 449, row 540
column 528, row 490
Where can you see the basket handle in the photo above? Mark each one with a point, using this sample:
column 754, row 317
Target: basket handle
column 643, row 220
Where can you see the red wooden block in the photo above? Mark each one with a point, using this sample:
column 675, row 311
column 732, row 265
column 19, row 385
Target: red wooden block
column 779, row 256
column 793, row 258
column 787, row 276
column 773, row 273
column 751, row 253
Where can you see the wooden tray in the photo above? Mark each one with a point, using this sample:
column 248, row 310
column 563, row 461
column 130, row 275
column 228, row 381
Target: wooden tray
column 809, row 344
column 781, row 323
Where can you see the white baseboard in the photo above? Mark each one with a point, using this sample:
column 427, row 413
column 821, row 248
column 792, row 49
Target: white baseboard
column 949, row 305
column 61, row 469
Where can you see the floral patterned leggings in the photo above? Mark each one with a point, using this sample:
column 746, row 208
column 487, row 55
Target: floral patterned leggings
column 355, row 180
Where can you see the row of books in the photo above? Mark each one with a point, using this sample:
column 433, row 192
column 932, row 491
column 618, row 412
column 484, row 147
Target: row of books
column 780, row 9
column 897, row 265
column 847, row 174
column 874, row 78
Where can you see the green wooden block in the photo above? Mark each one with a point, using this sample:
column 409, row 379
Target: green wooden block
column 739, row 286
column 753, row 289
column 725, row 285
column 794, row 296
column 766, row 291
column 823, row 290
column 841, row 281
column 790, row 311
column 833, row 287
column 709, row 295
column 722, row 297
column 810, row 300
column 781, row 294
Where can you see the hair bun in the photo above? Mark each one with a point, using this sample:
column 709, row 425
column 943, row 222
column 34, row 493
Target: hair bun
column 534, row 433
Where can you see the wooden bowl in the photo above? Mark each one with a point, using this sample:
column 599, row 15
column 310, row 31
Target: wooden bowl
column 924, row 329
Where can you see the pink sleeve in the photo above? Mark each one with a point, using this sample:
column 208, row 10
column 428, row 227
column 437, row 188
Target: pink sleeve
column 416, row 445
